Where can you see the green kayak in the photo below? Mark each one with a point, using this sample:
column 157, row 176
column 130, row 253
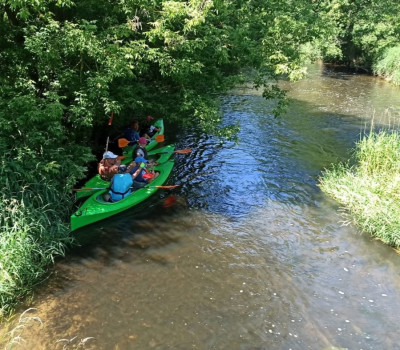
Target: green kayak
column 95, row 208
column 160, row 155
column 153, row 143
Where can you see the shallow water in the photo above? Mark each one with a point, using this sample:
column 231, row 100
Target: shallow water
column 248, row 253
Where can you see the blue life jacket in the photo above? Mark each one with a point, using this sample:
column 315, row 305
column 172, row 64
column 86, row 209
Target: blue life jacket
column 120, row 186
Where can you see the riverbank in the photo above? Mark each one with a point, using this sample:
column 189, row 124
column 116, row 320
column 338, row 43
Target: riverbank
column 368, row 186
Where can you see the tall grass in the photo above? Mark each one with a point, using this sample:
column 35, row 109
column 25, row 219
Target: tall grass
column 369, row 189
column 33, row 231
column 388, row 65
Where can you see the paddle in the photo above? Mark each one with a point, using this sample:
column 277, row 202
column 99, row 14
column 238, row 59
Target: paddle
column 124, row 142
column 106, row 188
column 109, row 123
column 164, row 187
column 90, row 189
column 179, row 151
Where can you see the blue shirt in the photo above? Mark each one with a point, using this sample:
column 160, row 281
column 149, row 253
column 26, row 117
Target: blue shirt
column 138, row 178
column 132, row 135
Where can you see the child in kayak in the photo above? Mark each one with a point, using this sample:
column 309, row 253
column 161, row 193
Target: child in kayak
column 149, row 130
column 140, row 175
column 140, row 149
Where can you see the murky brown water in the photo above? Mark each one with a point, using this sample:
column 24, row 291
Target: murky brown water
column 248, row 253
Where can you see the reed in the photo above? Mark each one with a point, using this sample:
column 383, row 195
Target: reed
column 388, row 65
column 14, row 336
column 368, row 186
column 33, row 232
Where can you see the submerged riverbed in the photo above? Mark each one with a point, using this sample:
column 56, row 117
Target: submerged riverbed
column 248, row 253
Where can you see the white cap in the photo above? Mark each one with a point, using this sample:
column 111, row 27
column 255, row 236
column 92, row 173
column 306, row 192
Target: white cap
column 109, row 155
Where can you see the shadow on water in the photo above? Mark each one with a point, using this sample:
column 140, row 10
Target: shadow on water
column 247, row 254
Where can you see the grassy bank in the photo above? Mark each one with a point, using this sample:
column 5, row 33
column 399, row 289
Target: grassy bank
column 32, row 233
column 388, row 66
column 369, row 188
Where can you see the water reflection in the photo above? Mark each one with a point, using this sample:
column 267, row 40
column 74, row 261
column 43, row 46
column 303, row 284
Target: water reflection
column 248, row 253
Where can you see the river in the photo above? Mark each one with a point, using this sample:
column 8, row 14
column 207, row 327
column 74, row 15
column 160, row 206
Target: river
column 248, row 253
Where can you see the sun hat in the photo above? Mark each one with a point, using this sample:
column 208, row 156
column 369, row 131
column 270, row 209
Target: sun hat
column 142, row 141
column 109, row 155
column 141, row 160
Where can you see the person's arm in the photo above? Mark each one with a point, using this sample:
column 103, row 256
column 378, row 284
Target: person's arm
column 138, row 171
column 100, row 167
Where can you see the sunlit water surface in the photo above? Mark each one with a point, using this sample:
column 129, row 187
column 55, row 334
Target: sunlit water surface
column 248, row 253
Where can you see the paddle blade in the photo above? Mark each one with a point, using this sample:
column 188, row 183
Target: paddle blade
column 170, row 201
column 111, row 119
column 89, row 189
column 160, row 138
column 183, row 151
column 123, row 143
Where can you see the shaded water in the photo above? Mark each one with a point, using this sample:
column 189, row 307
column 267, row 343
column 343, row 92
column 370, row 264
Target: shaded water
column 248, row 253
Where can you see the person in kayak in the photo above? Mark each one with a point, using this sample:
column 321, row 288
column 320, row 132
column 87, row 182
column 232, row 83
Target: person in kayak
column 140, row 174
column 132, row 133
column 140, row 149
column 121, row 185
column 108, row 166
column 149, row 129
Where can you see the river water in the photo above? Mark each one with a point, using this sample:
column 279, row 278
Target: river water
column 248, row 253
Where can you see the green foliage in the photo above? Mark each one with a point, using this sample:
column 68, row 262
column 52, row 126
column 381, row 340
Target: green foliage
column 388, row 65
column 363, row 29
column 369, row 190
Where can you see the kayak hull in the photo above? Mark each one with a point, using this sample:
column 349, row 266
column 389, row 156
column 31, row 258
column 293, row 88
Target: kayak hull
column 95, row 208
